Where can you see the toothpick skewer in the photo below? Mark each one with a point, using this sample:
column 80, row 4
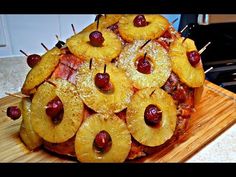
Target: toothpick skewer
column 152, row 92
column 98, row 21
column 145, row 43
column 44, row 46
column 73, row 28
column 174, row 21
column 159, row 112
column 57, row 37
column 204, row 48
column 23, row 53
column 184, row 40
column 90, row 63
column 208, row 70
column 17, row 96
column 184, row 29
column 51, row 83
column 4, row 111
column 105, row 67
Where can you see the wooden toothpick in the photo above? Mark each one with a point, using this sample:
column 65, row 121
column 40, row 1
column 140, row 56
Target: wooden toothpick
column 44, row 46
column 90, row 63
column 175, row 20
column 51, row 83
column 145, row 43
column 98, row 22
column 208, row 70
column 184, row 29
column 105, row 67
column 23, row 53
column 184, row 40
column 204, row 48
column 152, row 92
column 73, row 28
column 4, row 111
column 57, row 37
column 17, row 96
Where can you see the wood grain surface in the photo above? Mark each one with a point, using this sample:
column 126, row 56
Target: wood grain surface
column 214, row 114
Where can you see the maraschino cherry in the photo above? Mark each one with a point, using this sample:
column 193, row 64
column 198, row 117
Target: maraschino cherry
column 193, row 57
column 13, row 112
column 102, row 79
column 102, row 141
column 140, row 21
column 32, row 59
column 152, row 115
column 144, row 65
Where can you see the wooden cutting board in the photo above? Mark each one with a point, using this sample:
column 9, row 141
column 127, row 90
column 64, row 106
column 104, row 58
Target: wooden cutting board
column 215, row 113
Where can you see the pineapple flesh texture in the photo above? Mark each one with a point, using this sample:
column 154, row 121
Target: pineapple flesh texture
column 42, row 70
column 144, row 134
column 191, row 76
column 30, row 138
column 121, row 139
column 157, row 25
column 161, row 64
column 73, row 111
column 80, row 46
column 100, row 101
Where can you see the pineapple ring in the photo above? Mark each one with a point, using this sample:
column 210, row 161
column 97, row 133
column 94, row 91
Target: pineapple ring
column 73, row 111
column 191, row 76
column 99, row 101
column 42, row 70
column 161, row 64
column 121, row 139
column 104, row 22
column 80, row 46
column 30, row 138
column 144, row 134
column 156, row 27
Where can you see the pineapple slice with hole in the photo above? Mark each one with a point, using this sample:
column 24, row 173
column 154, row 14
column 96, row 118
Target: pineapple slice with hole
column 99, row 101
column 104, row 22
column 161, row 64
column 80, row 46
column 41, row 71
column 30, row 138
column 73, row 111
column 157, row 25
column 117, row 129
column 191, row 76
column 148, row 135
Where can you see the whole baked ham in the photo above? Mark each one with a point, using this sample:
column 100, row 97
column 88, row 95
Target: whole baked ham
column 123, row 88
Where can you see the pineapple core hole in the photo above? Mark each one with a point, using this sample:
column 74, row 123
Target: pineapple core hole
column 152, row 115
column 55, row 110
column 102, row 142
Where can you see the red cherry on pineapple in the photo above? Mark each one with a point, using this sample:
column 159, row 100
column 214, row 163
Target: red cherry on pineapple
column 33, row 59
column 96, row 38
column 152, row 115
column 102, row 80
column 102, row 141
column 54, row 107
column 144, row 65
column 13, row 112
column 140, row 21
column 193, row 57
